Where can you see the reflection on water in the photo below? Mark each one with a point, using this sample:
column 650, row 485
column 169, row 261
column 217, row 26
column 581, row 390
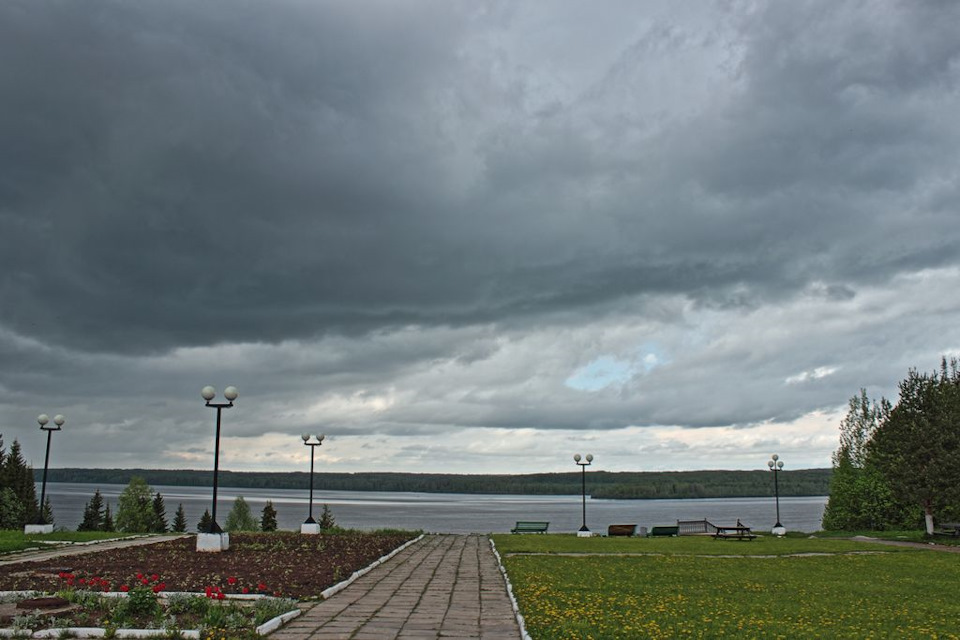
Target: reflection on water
column 451, row 513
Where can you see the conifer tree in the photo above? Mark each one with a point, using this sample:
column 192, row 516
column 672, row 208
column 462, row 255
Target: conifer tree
column 93, row 514
column 108, row 519
column 17, row 475
column 179, row 520
column 135, row 512
column 268, row 519
column 205, row 521
column 159, row 514
column 326, row 518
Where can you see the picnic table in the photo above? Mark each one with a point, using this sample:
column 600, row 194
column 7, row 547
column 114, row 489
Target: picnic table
column 736, row 532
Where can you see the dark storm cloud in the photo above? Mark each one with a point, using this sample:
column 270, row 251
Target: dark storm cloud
column 188, row 173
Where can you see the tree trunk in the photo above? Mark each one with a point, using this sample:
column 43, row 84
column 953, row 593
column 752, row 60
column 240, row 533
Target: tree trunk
column 928, row 518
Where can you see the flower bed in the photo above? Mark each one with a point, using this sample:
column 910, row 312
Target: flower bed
column 266, row 572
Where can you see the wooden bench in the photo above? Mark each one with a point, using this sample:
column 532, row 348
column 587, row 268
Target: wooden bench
column 530, row 527
column 949, row 529
column 738, row 532
column 622, row 530
column 664, row 531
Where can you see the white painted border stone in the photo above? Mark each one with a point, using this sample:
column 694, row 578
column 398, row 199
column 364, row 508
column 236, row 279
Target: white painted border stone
column 513, row 600
column 272, row 625
column 340, row 586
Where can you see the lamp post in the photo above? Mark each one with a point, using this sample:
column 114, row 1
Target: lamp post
column 776, row 464
column 313, row 441
column 584, row 532
column 42, row 526
column 215, row 539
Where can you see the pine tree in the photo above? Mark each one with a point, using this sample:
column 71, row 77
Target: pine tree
column 326, row 518
column 93, row 514
column 179, row 520
column 205, row 522
column 159, row 514
column 268, row 519
column 12, row 514
column 240, row 518
column 108, row 519
column 47, row 513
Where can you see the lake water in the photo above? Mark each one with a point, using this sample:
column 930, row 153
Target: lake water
column 450, row 512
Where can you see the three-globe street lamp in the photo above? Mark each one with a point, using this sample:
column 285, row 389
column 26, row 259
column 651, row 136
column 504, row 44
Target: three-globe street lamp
column 313, row 441
column 44, row 420
column 776, row 464
column 209, row 393
column 584, row 531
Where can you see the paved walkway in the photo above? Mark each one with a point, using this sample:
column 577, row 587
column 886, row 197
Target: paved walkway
column 445, row 586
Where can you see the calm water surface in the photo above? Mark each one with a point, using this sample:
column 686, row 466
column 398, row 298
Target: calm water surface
column 449, row 512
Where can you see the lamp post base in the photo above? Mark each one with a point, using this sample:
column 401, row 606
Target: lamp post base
column 584, row 533
column 779, row 530
column 37, row 528
column 213, row 542
column 310, row 528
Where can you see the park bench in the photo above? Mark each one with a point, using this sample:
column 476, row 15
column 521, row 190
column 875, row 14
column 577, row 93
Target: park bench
column 738, row 532
column 949, row 529
column 664, row 531
column 530, row 527
column 622, row 530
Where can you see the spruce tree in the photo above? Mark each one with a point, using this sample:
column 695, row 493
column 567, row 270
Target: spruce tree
column 179, row 520
column 93, row 514
column 268, row 519
column 326, row 518
column 18, row 476
column 205, row 521
column 159, row 514
column 108, row 519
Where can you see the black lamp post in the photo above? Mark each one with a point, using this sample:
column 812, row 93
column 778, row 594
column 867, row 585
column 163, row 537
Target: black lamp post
column 776, row 464
column 312, row 441
column 584, row 531
column 58, row 421
column 208, row 393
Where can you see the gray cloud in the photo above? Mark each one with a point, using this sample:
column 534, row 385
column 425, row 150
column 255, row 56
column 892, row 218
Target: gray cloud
column 423, row 218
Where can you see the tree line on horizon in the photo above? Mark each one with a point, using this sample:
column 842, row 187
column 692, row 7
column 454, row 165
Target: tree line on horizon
column 600, row 484
column 898, row 465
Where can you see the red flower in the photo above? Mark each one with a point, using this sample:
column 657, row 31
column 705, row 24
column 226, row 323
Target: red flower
column 139, row 576
column 81, row 581
column 124, row 587
column 245, row 590
column 155, row 577
column 208, row 591
column 262, row 587
column 231, row 580
column 220, row 595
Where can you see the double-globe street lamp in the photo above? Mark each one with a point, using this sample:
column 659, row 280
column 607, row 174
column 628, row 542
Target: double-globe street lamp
column 209, row 393
column 313, row 441
column 42, row 525
column 584, row 531
column 776, row 464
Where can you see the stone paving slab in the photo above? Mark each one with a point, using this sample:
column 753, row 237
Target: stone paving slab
column 445, row 586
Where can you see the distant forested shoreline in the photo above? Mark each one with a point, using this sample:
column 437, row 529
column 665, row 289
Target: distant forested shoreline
column 600, row 484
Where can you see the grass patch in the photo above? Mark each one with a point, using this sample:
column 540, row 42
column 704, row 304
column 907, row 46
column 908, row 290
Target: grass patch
column 13, row 540
column 683, row 545
column 692, row 591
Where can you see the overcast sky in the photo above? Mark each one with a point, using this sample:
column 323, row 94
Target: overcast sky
column 471, row 236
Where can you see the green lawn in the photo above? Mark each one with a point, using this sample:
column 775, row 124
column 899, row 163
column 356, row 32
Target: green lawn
column 704, row 588
column 17, row 541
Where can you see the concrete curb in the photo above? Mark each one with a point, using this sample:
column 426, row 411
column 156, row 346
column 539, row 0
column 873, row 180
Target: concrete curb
column 516, row 607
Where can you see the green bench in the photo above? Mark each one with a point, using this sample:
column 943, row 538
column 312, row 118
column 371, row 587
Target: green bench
column 530, row 527
column 664, row 531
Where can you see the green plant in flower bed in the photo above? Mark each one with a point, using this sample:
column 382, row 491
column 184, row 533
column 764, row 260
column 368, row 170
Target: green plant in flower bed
column 816, row 590
column 142, row 608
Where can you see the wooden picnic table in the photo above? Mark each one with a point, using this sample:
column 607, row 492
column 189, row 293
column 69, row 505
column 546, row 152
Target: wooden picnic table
column 737, row 532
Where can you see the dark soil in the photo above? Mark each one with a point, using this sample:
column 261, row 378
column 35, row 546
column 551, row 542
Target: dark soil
column 282, row 564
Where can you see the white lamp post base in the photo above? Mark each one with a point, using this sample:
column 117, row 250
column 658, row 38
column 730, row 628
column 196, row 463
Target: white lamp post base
column 37, row 528
column 310, row 528
column 213, row 542
column 779, row 531
column 585, row 534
